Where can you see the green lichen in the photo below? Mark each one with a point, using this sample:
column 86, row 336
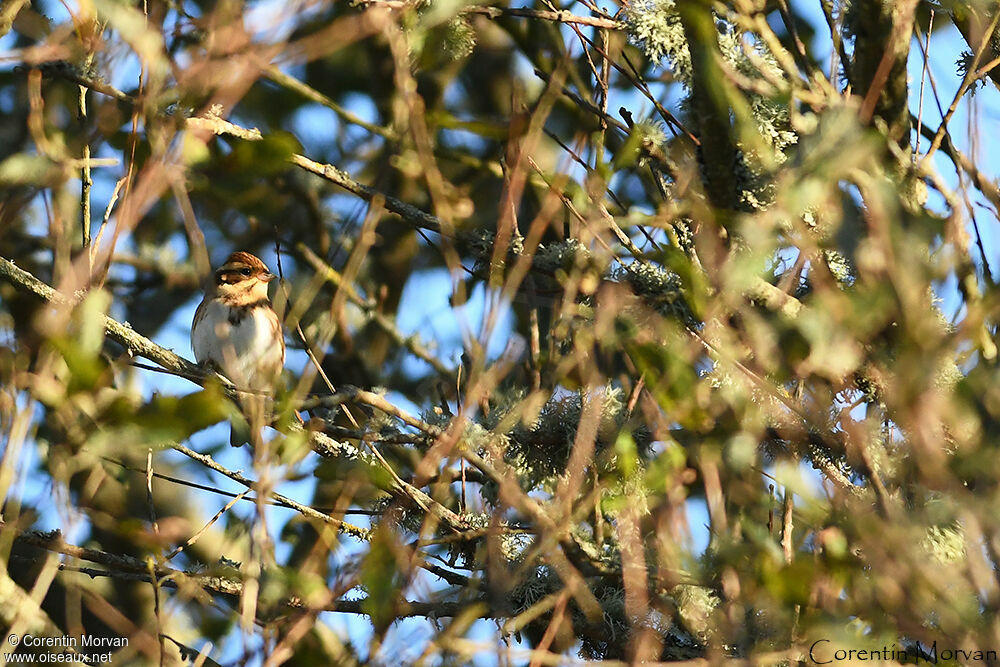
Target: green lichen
column 655, row 27
column 945, row 545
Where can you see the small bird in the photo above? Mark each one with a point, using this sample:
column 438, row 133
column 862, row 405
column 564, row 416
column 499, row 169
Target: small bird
column 237, row 332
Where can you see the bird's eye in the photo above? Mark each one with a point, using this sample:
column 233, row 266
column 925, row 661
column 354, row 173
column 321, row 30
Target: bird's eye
column 245, row 272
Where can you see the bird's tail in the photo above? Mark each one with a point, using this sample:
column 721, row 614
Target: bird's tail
column 239, row 433
column 255, row 414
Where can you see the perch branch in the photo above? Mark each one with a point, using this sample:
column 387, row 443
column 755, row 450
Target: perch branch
column 130, row 568
column 123, row 334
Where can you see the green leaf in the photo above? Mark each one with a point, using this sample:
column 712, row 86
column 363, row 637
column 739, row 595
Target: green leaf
column 628, row 460
column 25, row 169
column 628, row 154
column 81, row 342
column 672, row 379
column 168, row 419
column 89, row 321
column 381, row 578
column 266, row 157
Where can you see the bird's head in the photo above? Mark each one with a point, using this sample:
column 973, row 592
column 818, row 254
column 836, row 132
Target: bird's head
column 243, row 277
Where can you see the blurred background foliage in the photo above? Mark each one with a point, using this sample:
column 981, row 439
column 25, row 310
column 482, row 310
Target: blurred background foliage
column 644, row 331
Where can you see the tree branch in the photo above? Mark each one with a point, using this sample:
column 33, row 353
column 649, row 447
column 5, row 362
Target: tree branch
column 123, row 334
column 709, row 103
column 304, row 510
column 881, row 49
column 131, row 568
column 320, row 443
column 544, row 15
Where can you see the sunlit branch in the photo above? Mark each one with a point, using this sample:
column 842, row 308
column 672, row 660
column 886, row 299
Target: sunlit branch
column 135, row 343
column 133, row 569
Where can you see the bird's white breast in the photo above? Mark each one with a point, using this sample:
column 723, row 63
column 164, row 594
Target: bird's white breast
column 248, row 352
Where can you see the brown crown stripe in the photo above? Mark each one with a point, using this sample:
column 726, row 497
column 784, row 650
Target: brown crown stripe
column 239, row 260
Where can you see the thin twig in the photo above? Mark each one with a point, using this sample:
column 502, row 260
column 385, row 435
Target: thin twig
column 923, row 75
column 229, row 494
column 541, row 14
column 787, row 546
column 132, row 569
column 273, row 73
column 122, row 334
column 304, row 510
column 412, row 343
column 86, row 182
column 151, row 507
column 968, row 80
column 218, row 515
column 157, row 607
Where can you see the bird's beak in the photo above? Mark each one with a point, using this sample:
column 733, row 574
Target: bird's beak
column 267, row 277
